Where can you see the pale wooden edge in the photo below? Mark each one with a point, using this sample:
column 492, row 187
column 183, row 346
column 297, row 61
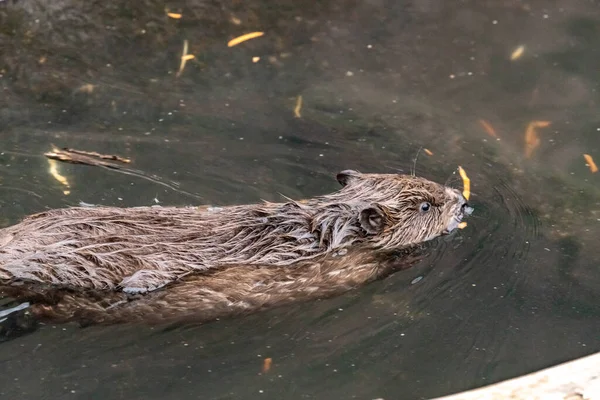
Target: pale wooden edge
column 574, row 380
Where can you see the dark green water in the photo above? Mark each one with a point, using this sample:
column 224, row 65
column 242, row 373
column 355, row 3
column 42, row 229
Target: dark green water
column 516, row 291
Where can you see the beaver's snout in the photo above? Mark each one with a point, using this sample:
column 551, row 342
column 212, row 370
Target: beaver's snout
column 464, row 211
column 467, row 209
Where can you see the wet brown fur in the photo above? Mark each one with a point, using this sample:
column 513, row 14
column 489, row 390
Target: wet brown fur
column 106, row 265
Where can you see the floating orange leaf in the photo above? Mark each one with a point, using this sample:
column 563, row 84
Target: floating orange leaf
column 462, row 225
column 243, row 38
column 267, row 364
column 466, row 183
column 428, row 152
column 590, row 162
column 488, row 128
column 532, row 141
column 174, row 15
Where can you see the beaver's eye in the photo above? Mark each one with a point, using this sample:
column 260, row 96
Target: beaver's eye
column 425, row 206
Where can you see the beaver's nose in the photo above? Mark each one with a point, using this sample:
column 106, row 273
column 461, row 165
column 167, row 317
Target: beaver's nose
column 466, row 208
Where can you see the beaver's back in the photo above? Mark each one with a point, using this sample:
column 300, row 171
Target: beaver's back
column 99, row 247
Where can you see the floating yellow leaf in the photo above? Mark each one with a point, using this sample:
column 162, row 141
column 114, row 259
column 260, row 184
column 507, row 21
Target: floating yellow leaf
column 243, row 38
column 428, row 152
column 590, row 162
column 517, row 53
column 298, row 107
column 53, row 170
column 188, row 57
column 255, row 59
column 466, row 183
column 462, row 225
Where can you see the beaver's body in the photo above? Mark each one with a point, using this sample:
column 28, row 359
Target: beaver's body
column 114, row 264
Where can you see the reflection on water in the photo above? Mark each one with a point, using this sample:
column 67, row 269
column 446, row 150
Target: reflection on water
column 517, row 290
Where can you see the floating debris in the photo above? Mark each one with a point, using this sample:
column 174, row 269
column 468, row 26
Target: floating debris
column 416, row 280
column 428, row 152
column 298, row 107
column 466, row 183
column 590, row 163
column 517, row 53
column 86, row 88
column 255, row 59
column 462, row 225
column 184, row 58
column 267, row 364
column 174, row 15
column 107, row 161
column 488, row 128
column 53, row 170
column 243, row 38
column 74, row 156
column 532, row 141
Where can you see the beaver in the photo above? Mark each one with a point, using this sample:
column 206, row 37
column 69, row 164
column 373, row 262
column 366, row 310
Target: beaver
column 110, row 264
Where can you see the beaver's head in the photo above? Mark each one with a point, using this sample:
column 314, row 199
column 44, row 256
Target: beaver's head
column 398, row 210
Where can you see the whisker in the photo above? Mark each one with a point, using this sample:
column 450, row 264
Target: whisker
column 414, row 171
column 16, row 189
column 394, row 168
column 452, row 175
column 476, row 217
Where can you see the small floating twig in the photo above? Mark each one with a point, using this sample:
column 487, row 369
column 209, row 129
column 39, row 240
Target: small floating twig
column 94, row 159
column 185, row 57
column 85, row 157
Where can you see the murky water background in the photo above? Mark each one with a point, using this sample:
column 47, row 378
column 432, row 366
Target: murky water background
column 516, row 291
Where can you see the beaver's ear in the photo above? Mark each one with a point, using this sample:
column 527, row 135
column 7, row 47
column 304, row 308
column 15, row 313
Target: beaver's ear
column 372, row 219
column 346, row 176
